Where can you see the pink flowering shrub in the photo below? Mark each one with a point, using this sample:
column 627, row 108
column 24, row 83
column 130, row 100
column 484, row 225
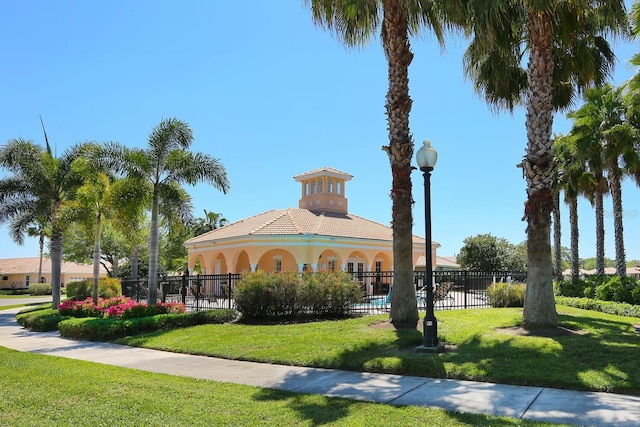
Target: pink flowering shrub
column 117, row 308
column 105, row 303
column 131, row 309
column 84, row 308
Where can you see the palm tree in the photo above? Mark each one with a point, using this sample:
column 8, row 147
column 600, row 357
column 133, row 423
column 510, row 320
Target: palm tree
column 590, row 149
column 160, row 169
column 91, row 205
column 566, row 52
column 574, row 179
column 601, row 125
column 38, row 230
column 355, row 22
column 211, row 221
column 38, row 187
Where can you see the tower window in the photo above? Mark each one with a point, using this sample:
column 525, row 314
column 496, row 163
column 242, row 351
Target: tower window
column 313, row 187
column 339, row 187
column 320, row 185
column 330, row 185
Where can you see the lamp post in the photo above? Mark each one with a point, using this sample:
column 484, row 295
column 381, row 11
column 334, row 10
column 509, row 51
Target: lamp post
column 427, row 158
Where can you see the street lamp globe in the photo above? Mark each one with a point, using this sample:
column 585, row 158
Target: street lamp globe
column 426, row 156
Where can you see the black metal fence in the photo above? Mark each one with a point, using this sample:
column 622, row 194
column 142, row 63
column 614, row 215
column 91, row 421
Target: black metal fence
column 453, row 289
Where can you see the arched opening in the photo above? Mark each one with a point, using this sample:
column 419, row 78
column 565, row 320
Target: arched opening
column 277, row 260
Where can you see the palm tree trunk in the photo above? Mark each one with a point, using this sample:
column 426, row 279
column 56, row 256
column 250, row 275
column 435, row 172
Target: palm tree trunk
column 599, row 208
column 41, row 255
column 557, row 236
column 135, row 256
column 153, row 252
column 404, row 310
column 573, row 221
column 56, row 265
column 616, row 197
column 96, row 258
column 539, row 303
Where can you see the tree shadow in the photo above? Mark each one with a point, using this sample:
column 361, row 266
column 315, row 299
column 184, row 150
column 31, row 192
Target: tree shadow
column 584, row 348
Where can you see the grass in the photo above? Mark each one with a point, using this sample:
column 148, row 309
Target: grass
column 40, row 390
column 600, row 354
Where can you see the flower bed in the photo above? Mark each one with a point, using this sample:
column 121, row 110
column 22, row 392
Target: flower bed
column 117, row 308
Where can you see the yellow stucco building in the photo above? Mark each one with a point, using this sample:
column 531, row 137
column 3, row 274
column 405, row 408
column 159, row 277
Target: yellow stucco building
column 18, row 273
column 319, row 235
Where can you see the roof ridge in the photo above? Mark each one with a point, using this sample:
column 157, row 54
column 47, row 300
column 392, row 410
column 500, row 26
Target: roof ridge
column 274, row 219
column 293, row 220
column 318, row 223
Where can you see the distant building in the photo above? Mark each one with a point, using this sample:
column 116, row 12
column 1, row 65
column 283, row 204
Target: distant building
column 440, row 263
column 16, row 273
column 633, row 272
column 319, row 235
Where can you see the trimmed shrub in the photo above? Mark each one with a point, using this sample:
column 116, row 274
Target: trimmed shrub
column 605, row 288
column 78, row 290
column 264, row 295
column 40, row 288
column 108, row 287
column 329, row 293
column 84, row 308
column 130, row 309
column 506, row 294
column 40, row 319
column 117, row 307
column 104, row 329
column 10, row 291
column 619, row 289
column 609, row 307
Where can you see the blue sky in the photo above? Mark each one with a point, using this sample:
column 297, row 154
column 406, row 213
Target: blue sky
column 272, row 96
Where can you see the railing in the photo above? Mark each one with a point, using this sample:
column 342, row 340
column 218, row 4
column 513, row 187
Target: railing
column 464, row 289
column 196, row 292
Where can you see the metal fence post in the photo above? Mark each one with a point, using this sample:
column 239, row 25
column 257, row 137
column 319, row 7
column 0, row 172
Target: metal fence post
column 229, row 289
column 198, row 292
column 466, row 288
column 184, row 288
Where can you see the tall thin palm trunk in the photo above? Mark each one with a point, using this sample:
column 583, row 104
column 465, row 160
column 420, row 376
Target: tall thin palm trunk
column 599, row 211
column 96, row 258
column 616, row 198
column 41, row 242
column 539, row 308
column 575, row 237
column 395, row 40
column 557, row 236
column 153, row 252
column 56, row 266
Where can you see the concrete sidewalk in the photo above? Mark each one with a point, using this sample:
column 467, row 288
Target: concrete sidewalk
column 532, row 403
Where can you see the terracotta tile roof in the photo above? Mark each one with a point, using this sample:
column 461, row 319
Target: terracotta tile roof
column 30, row 265
column 293, row 221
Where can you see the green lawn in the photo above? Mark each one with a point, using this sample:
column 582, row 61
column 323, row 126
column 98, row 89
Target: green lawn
column 599, row 354
column 37, row 390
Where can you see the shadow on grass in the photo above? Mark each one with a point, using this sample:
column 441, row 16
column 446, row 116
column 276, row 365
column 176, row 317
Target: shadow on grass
column 598, row 355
